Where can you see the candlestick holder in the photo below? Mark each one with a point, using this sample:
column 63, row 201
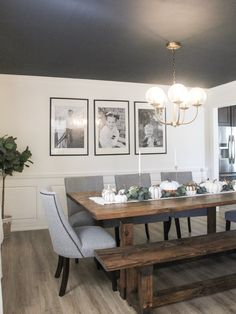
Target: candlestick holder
column 176, row 172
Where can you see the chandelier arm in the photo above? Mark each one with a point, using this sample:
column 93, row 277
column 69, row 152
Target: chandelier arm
column 194, row 118
column 162, row 121
column 177, row 122
column 183, row 117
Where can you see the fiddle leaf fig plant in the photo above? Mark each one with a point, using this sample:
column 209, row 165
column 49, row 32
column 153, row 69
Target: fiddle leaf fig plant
column 11, row 160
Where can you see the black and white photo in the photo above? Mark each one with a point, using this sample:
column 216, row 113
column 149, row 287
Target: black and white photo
column 150, row 135
column 111, row 127
column 68, row 126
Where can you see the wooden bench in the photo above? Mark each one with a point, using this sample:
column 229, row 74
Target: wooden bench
column 138, row 261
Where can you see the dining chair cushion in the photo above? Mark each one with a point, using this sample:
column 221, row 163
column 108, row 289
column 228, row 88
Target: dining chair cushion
column 81, row 218
column 94, row 238
column 127, row 180
column 183, row 177
column 230, row 215
column 81, row 184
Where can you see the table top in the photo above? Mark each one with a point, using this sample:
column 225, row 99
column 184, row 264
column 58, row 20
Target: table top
column 151, row 207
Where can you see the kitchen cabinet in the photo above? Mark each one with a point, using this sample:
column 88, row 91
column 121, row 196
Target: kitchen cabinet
column 224, row 116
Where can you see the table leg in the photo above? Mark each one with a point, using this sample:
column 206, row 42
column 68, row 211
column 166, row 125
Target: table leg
column 211, row 220
column 126, row 236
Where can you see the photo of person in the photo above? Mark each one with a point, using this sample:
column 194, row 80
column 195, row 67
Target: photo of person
column 68, row 126
column 109, row 134
column 150, row 134
column 111, row 130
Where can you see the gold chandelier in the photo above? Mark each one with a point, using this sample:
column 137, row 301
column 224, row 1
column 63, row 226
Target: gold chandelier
column 178, row 94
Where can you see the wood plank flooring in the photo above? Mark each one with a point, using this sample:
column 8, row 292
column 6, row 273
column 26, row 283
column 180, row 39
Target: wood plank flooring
column 29, row 286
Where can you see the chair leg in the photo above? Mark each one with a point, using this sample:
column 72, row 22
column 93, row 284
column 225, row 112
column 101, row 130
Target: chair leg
column 114, row 280
column 117, row 236
column 177, row 226
column 65, row 275
column 59, row 267
column 166, row 227
column 228, row 225
column 99, row 267
column 189, row 225
column 147, row 231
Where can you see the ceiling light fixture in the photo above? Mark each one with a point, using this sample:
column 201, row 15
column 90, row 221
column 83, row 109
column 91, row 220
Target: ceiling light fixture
column 178, row 94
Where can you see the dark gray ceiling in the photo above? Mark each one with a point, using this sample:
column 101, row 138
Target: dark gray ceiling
column 120, row 40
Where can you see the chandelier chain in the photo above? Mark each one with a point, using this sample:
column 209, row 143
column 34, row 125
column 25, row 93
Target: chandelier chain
column 173, row 65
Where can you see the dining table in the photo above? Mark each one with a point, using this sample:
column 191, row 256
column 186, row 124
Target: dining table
column 126, row 213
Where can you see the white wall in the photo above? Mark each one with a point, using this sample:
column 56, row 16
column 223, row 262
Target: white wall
column 220, row 96
column 24, row 103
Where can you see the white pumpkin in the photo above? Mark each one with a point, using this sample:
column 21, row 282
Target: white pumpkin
column 169, row 185
column 120, row 198
column 213, row 186
column 155, row 192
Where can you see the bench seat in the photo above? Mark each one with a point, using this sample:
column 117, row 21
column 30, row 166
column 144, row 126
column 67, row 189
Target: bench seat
column 138, row 261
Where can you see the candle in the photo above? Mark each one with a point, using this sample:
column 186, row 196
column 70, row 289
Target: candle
column 175, row 157
column 139, row 163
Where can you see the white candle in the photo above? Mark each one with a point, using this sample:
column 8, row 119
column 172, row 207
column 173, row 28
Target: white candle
column 139, row 163
column 175, row 157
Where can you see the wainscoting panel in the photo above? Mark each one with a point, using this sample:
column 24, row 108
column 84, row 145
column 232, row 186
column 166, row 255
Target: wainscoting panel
column 23, row 194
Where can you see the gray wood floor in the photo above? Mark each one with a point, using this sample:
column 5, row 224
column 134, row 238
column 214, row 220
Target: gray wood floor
column 29, row 286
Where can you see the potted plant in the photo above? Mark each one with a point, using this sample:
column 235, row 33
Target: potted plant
column 11, row 160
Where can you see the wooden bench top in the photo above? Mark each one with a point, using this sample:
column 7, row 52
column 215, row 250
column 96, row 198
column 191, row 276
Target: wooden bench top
column 166, row 251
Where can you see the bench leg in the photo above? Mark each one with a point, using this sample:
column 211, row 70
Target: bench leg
column 126, row 236
column 145, row 289
column 211, row 220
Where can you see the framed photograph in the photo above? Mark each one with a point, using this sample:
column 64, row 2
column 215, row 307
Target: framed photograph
column 68, row 126
column 150, row 135
column 111, row 119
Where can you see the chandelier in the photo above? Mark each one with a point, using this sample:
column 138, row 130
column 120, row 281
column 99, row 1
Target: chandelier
column 178, row 94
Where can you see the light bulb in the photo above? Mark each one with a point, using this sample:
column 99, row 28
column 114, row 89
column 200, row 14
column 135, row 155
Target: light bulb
column 178, row 93
column 197, row 96
column 156, row 97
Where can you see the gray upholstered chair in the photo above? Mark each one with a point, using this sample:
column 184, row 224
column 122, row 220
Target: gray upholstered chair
column 125, row 181
column 71, row 242
column 183, row 177
column 230, row 216
column 77, row 215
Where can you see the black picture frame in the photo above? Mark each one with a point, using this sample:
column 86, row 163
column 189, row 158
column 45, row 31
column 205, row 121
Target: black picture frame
column 69, row 126
column 111, row 127
column 150, row 135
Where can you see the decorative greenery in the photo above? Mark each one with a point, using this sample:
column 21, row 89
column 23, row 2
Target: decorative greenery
column 228, row 186
column 11, row 160
column 201, row 189
column 137, row 193
column 181, row 191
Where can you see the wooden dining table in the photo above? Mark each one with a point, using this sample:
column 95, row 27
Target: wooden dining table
column 126, row 213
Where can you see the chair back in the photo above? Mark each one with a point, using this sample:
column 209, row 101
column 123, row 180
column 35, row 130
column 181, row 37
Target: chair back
column 81, row 184
column 181, row 177
column 64, row 240
column 126, row 180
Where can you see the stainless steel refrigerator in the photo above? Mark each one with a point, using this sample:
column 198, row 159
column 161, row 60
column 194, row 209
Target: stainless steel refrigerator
column 227, row 142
